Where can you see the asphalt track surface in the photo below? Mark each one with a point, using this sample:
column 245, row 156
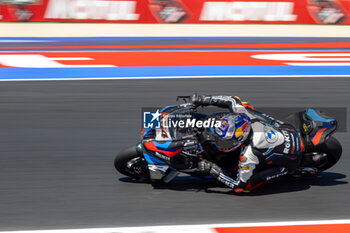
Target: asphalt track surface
column 58, row 140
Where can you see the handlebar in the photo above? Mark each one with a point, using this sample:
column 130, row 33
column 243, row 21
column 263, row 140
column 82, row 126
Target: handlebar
column 184, row 98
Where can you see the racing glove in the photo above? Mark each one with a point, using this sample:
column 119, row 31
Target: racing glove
column 214, row 170
column 206, row 167
column 203, row 100
column 219, row 101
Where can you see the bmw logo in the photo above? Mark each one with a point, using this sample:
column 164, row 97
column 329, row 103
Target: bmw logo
column 270, row 135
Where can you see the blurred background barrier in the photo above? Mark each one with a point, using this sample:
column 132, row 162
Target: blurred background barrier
column 178, row 11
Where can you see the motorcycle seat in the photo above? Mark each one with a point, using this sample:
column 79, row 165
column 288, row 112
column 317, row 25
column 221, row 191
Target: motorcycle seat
column 317, row 125
column 314, row 125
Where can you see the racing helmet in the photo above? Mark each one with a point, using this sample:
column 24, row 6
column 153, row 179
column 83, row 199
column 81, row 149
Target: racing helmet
column 232, row 132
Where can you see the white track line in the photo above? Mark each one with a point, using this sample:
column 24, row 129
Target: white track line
column 185, row 228
column 57, row 29
column 180, row 77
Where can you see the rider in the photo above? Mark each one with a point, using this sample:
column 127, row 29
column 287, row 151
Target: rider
column 269, row 148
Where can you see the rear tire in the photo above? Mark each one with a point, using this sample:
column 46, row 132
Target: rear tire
column 333, row 149
column 138, row 170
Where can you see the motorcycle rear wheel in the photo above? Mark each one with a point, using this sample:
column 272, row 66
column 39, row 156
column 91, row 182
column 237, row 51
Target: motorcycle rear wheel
column 333, row 149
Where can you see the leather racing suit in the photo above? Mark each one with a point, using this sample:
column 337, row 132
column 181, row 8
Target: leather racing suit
column 272, row 149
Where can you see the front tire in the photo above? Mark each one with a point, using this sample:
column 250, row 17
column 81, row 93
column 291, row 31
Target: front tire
column 130, row 162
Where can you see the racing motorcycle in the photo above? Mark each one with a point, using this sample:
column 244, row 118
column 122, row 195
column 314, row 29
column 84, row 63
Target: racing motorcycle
column 166, row 150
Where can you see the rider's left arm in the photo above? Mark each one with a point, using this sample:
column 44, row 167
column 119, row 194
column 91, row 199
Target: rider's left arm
column 247, row 164
column 229, row 102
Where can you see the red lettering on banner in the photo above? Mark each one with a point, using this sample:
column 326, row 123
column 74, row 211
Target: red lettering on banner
column 248, row 11
column 91, row 9
column 182, row 11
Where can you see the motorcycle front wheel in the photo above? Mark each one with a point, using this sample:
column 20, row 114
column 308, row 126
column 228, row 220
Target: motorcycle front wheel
column 130, row 162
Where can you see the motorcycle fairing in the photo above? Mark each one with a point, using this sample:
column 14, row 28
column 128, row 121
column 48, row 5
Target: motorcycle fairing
column 146, row 133
column 157, row 168
column 167, row 147
column 152, row 159
column 168, row 108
